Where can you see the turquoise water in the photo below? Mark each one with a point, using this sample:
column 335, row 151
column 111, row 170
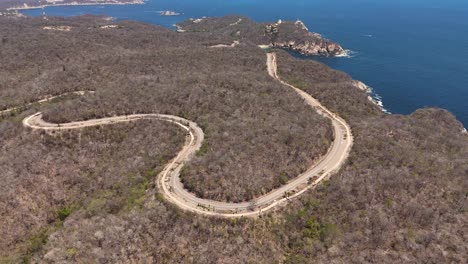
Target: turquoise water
column 413, row 53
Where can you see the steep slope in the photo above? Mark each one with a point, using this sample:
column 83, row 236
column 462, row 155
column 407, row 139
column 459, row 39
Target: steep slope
column 81, row 196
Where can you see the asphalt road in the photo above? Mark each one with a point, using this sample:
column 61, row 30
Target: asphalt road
column 168, row 180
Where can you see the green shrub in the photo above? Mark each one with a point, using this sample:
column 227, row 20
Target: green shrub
column 283, row 178
column 95, row 206
column 63, row 213
column 319, row 231
column 203, row 149
column 71, row 251
column 312, row 228
column 35, row 243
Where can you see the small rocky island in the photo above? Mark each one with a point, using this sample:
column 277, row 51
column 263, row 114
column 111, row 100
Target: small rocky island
column 169, row 13
column 289, row 35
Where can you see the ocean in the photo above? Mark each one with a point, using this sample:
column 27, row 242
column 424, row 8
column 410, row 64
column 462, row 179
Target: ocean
column 413, row 53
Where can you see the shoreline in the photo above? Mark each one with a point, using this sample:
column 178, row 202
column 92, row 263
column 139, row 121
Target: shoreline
column 371, row 95
column 26, row 7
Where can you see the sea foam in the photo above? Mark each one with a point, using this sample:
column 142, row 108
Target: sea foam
column 347, row 54
column 377, row 99
column 374, row 97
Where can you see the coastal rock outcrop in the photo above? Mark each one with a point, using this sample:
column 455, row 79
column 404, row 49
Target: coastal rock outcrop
column 312, row 47
column 296, row 36
column 289, row 35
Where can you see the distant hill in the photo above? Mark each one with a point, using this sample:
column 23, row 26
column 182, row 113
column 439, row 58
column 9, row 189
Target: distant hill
column 26, row 4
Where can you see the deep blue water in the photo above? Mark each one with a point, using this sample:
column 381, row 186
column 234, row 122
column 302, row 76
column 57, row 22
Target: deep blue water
column 413, row 53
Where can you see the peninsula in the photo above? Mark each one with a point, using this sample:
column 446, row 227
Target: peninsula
column 290, row 35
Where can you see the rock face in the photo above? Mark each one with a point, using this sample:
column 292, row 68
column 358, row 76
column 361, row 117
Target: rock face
column 314, row 47
column 296, row 37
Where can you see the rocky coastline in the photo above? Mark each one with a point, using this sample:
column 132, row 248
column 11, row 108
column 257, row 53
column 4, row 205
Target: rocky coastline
column 317, row 47
column 296, row 36
column 288, row 35
column 370, row 95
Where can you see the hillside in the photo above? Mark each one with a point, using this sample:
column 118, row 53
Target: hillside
column 281, row 34
column 84, row 195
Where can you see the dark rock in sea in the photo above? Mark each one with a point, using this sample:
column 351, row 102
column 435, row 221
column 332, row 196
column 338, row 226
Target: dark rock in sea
column 169, row 13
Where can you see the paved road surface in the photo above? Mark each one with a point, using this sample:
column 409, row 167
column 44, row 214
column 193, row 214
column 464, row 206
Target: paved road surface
column 168, row 180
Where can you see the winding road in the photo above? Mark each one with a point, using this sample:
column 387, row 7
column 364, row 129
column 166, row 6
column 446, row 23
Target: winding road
column 46, row 99
column 170, row 185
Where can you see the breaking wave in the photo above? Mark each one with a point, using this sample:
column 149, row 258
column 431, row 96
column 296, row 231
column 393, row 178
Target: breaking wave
column 347, row 54
column 377, row 99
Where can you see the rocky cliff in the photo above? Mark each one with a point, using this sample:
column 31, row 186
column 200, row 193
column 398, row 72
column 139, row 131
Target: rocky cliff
column 281, row 34
column 296, row 36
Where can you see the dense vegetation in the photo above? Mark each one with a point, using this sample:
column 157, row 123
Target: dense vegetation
column 47, row 176
column 257, row 132
column 84, row 196
column 335, row 89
